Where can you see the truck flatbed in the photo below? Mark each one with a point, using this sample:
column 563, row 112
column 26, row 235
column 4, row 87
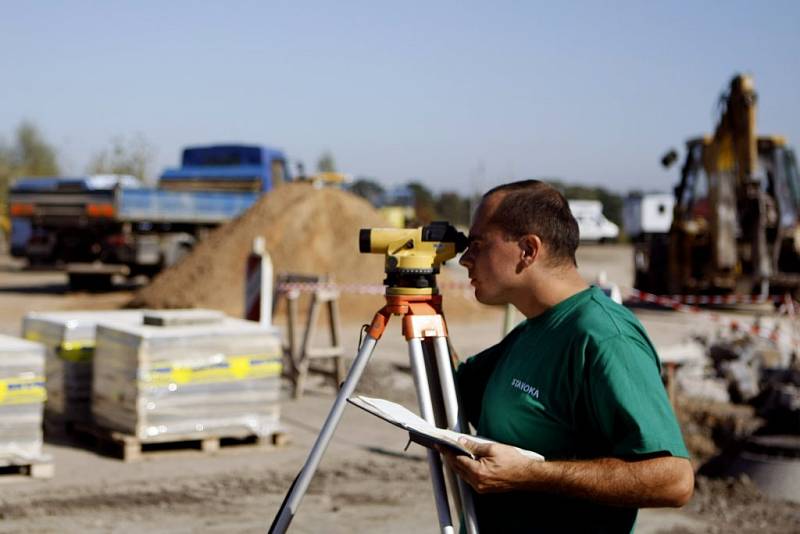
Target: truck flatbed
column 161, row 206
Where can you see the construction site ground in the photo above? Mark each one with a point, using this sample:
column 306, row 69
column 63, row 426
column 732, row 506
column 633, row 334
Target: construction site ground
column 366, row 483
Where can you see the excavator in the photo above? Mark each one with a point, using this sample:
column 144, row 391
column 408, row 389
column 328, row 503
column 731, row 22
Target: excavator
column 736, row 222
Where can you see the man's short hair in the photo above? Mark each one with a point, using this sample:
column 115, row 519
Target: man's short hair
column 536, row 207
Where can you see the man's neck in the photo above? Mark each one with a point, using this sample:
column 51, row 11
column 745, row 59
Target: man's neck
column 546, row 291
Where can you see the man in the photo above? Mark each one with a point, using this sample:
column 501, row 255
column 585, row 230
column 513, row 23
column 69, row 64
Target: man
column 577, row 382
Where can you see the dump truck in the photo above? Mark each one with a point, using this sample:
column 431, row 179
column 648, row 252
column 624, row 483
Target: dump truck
column 98, row 227
column 735, row 225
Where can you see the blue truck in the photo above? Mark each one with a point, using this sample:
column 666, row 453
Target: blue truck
column 99, row 227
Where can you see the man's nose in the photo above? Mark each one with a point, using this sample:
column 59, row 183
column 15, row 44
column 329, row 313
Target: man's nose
column 465, row 259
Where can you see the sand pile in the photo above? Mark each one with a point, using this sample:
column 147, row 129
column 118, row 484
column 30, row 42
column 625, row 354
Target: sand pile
column 307, row 231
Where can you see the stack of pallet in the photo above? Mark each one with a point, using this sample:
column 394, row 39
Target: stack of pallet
column 22, row 397
column 70, row 341
column 187, row 374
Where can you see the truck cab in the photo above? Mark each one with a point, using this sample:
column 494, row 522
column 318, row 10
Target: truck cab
column 243, row 168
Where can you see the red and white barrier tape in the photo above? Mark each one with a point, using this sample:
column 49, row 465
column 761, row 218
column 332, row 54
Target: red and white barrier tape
column 725, row 299
column 692, row 301
column 772, row 333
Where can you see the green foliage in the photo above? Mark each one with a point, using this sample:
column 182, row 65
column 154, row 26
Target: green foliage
column 369, row 189
column 454, row 208
column 132, row 157
column 326, row 163
column 6, row 171
column 424, row 202
column 35, row 157
column 29, row 155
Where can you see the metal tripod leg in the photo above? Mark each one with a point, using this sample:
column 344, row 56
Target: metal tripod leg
column 415, row 354
column 440, row 417
column 455, row 421
column 440, row 414
column 300, row 485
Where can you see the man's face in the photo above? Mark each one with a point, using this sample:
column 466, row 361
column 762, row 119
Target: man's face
column 491, row 259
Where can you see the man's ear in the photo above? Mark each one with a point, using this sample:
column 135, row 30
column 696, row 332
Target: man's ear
column 530, row 246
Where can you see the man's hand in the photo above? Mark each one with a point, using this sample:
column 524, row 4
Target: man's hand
column 497, row 468
column 652, row 482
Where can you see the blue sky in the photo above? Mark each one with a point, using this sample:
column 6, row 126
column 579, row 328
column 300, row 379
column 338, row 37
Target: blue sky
column 461, row 95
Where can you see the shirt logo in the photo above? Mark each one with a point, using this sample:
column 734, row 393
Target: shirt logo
column 527, row 388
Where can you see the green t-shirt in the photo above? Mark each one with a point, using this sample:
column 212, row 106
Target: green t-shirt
column 579, row 381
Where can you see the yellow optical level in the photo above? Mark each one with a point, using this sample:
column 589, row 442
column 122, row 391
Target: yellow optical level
column 413, row 255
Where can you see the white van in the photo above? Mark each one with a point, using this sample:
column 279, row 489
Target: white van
column 592, row 224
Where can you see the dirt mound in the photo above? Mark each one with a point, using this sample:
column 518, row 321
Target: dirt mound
column 307, row 230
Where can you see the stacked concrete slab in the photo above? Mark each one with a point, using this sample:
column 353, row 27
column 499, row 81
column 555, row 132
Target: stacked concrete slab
column 70, row 340
column 22, row 396
column 183, row 374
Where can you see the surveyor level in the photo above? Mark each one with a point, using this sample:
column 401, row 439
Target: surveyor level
column 413, row 255
column 411, row 293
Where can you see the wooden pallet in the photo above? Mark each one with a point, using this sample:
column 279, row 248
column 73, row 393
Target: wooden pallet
column 132, row 448
column 41, row 468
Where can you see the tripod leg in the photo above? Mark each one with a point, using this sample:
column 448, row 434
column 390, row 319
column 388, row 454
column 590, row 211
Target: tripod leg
column 455, row 421
column 300, row 485
column 440, row 416
column 426, row 411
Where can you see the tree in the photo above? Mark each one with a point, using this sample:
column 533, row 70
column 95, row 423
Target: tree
column 424, row 203
column 369, row 189
column 453, row 208
column 30, row 155
column 35, row 157
column 326, row 163
column 6, row 171
column 132, row 157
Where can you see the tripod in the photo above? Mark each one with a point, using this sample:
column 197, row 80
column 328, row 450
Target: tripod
column 431, row 365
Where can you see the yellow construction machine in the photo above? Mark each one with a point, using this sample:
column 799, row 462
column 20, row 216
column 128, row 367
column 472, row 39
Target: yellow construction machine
column 735, row 225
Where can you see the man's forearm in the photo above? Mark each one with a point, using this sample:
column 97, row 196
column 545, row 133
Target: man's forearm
column 663, row 481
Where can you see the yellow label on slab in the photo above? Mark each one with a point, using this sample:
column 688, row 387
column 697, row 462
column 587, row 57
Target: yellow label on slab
column 225, row 369
column 32, row 335
column 22, row 390
column 240, row 366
